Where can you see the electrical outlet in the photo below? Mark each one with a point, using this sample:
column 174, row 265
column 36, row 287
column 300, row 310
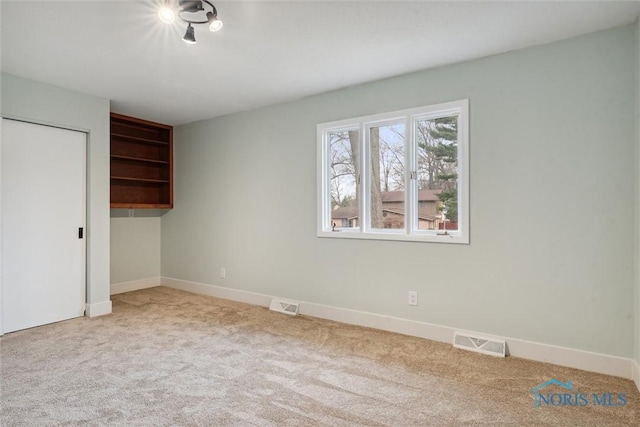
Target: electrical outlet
column 413, row 297
column 223, row 272
column 131, row 213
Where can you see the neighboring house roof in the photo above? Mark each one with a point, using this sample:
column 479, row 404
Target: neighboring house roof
column 422, row 213
column 398, row 196
column 351, row 212
column 344, row 212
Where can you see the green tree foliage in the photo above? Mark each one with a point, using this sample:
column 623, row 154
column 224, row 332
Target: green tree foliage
column 438, row 160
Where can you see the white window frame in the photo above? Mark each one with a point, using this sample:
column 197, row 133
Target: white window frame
column 410, row 232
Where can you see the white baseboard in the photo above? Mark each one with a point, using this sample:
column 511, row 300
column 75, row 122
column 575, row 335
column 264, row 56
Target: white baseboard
column 134, row 285
column 379, row 321
column 636, row 374
column 579, row 359
column 98, row 309
column 570, row 357
column 217, row 291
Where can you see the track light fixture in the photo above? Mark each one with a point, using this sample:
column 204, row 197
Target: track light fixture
column 191, row 12
column 189, row 36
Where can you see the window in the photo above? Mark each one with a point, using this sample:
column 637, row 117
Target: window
column 402, row 175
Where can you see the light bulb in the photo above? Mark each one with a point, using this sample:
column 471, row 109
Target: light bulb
column 166, row 15
column 214, row 23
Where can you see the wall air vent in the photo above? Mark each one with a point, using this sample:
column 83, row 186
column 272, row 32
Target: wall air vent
column 286, row 307
column 480, row 344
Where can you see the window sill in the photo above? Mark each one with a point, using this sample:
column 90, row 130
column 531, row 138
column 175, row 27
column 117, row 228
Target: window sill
column 455, row 238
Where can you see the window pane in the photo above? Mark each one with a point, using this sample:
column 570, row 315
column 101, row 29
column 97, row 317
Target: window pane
column 386, row 144
column 344, row 170
column 437, row 154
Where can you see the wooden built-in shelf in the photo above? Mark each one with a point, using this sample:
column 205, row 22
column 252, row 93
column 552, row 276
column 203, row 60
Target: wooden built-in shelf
column 137, row 159
column 136, row 139
column 141, row 164
column 126, row 178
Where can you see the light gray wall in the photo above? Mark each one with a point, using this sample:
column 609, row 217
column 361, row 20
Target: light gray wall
column 41, row 103
column 135, row 249
column 552, row 201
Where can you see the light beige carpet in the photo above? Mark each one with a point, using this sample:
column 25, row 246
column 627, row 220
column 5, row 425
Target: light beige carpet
column 170, row 358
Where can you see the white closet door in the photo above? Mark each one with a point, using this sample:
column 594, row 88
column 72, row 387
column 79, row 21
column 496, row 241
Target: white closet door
column 43, row 208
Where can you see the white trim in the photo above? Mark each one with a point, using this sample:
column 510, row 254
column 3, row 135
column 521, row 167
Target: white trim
column 378, row 321
column 134, row 285
column 635, row 375
column 451, row 237
column 572, row 358
column 218, row 291
column 98, row 309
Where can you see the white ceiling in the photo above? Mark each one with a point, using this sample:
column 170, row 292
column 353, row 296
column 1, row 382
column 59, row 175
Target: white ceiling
column 269, row 51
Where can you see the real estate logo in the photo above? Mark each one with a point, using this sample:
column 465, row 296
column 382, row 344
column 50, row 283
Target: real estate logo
column 571, row 397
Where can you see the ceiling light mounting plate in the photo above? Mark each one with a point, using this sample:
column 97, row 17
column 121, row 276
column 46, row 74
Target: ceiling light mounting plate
column 193, row 12
column 191, row 9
